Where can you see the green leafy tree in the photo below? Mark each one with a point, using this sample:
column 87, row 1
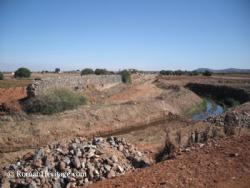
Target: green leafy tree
column 87, row 71
column 22, row 73
column 101, row 71
column 57, row 70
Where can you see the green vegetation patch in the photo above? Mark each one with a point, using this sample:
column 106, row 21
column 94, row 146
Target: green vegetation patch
column 196, row 108
column 54, row 101
column 126, row 77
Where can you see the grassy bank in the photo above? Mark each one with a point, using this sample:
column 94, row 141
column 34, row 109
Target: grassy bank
column 196, row 108
column 14, row 83
column 54, row 101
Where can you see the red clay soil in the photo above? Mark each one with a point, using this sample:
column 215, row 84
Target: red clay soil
column 9, row 98
column 12, row 94
column 225, row 163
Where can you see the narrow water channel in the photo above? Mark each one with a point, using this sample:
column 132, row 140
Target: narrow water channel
column 212, row 109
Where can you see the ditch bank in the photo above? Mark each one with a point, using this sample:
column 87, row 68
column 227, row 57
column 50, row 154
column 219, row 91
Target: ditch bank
column 89, row 121
column 225, row 95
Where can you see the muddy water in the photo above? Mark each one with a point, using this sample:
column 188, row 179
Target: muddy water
column 212, row 109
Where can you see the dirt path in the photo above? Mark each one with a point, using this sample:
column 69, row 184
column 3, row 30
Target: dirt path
column 223, row 164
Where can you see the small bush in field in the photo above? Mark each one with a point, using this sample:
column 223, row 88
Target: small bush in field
column 54, row 101
column 126, row 77
column 1, row 76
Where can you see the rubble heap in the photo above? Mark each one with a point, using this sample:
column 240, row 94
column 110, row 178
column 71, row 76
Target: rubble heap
column 232, row 118
column 73, row 163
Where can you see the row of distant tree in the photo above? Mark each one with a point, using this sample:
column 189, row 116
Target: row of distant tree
column 180, row 72
column 96, row 71
column 84, row 71
column 126, row 75
column 87, row 71
column 25, row 72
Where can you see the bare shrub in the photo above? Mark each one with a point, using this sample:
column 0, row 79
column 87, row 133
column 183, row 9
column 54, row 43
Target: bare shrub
column 168, row 150
column 196, row 136
column 175, row 87
column 229, row 130
column 205, row 134
column 214, row 132
column 189, row 141
column 178, row 137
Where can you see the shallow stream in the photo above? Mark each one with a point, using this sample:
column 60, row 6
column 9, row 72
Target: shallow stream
column 212, row 109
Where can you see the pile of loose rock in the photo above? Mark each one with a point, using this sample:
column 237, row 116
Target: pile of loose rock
column 232, row 118
column 73, row 163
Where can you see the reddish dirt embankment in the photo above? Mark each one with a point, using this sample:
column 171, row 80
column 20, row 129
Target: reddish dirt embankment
column 12, row 94
column 225, row 163
column 9, row 99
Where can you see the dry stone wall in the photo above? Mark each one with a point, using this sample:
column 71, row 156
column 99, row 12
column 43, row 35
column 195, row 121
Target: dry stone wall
column 75, row 83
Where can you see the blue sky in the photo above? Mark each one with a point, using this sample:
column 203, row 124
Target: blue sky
column 118, row 34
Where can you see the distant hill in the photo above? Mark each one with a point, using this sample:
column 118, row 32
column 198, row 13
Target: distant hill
column 229, row 70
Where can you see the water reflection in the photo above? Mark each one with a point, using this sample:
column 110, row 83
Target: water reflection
column 212, row 109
